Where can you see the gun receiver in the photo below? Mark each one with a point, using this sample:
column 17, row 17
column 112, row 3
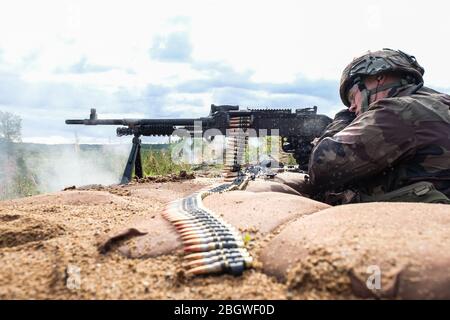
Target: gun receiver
column 296, row 129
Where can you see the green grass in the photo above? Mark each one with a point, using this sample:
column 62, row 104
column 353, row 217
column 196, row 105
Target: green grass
column 16, row 179
column 159, row 162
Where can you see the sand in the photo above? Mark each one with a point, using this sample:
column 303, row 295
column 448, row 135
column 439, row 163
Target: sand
column 49, row 249
column 49, row 246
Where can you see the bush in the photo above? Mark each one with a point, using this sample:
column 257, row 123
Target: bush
column 159, row 162
column 16, row 180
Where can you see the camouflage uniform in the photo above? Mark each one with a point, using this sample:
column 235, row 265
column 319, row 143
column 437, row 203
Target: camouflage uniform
column 398, row 141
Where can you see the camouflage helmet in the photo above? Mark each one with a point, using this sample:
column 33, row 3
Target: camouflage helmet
column 382, row 61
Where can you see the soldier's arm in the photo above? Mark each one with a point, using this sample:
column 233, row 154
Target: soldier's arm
column 371, row 143
column 341, row 120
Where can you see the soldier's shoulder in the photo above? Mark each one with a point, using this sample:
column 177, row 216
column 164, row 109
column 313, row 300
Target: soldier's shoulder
column 393, row 107
column 423, row 105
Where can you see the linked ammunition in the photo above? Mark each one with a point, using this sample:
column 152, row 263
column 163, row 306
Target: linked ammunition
column 214, row 245
column 205, row 261
column 211, row 245
column 199, row 225
column 189, row 214
column 197, row 233
column 208, row 240
column 235, row 268
column 208, row 234
column 204, row 229
column 208, row 254
column 208, row 226
column 195, row 220
column 183, row 230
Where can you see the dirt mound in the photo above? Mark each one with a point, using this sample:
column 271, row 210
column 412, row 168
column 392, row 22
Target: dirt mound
column 73, row 198
column 50, row 246
column 336, row 250
column 16, row 230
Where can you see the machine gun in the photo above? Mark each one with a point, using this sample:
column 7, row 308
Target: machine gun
column 296, row 129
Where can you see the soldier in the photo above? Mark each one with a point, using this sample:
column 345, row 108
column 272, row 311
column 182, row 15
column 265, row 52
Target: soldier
column 393, row 141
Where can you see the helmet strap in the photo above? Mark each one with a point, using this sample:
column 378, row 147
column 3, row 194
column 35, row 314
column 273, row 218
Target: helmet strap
column 365, row 100
column 366, row 93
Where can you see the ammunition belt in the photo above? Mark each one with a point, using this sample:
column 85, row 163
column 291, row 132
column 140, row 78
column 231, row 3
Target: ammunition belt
column 211, row 245
column 236, row 145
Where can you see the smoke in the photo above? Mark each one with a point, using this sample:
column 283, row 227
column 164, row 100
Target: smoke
column 68, row 165
column 29, row 169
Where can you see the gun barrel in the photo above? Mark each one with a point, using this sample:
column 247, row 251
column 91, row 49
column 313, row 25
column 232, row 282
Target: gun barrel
column 89, row 122
column 74, row 121
column 132, row 122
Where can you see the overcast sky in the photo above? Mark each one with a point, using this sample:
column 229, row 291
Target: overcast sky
column 132, row 59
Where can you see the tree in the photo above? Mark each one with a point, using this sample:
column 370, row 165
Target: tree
column 10, row 126
column 16, row 180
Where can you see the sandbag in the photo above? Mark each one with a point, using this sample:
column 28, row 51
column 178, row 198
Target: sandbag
column 149, row 236
column 345, row 248
column 285, row 182
column 254, row 213
column 260, row 211
column 144, row 238
column 269, row 186
column 290, row 179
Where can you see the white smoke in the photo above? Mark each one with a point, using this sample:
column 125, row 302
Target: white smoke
column 78, row 166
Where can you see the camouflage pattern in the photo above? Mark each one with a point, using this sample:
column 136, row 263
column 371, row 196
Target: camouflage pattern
column 400, row 140
column 381, row 61
column 341, row 120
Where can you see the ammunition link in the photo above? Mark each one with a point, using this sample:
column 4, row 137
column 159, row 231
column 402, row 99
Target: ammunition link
column 211, row 244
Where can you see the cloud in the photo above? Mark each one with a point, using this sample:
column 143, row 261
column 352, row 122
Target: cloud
column 217, row 74
column 220, row 75
column 45, row 105
column 228, row 86
column 174, row 47
column 19, row 92
column 83, row 66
